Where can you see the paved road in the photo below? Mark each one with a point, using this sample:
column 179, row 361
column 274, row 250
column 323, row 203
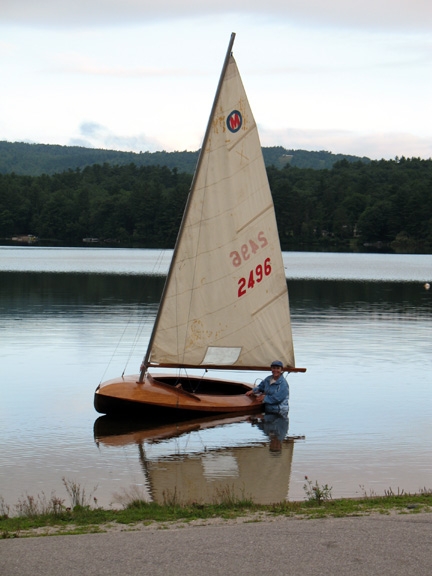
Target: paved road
column 375, row 545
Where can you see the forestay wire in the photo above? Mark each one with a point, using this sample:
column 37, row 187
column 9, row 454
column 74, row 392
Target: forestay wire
column 142, row 324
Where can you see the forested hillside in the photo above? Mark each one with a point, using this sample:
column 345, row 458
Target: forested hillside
column 38, row 159
column 347, row 206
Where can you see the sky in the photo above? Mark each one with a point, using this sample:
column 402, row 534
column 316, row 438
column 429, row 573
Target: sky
column 343, row 76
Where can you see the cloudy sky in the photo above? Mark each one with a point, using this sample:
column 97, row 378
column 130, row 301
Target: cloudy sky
column 342, row 75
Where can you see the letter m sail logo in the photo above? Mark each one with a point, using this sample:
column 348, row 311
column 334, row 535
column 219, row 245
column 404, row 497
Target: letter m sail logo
column 234, row 121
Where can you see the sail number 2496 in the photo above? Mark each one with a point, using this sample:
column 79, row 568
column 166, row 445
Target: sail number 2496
column 255, row 275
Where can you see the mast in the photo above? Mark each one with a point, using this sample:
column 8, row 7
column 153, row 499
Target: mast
column 188, row 203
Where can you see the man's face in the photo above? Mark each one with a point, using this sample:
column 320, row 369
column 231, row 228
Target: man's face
column 276, row 371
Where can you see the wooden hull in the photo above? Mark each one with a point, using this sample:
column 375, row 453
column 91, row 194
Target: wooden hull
column 174, row 397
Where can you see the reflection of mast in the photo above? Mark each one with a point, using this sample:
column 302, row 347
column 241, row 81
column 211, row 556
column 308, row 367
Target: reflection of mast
column 143, row 459
column 144, row 466
column 239, row 472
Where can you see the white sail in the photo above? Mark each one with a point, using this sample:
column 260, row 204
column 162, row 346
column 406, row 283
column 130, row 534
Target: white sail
column 226, row 301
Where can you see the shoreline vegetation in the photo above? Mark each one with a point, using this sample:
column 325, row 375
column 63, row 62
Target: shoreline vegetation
column 49, row 516
column 344, row 205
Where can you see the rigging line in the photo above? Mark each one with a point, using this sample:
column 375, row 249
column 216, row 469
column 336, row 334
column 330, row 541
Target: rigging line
column 145, row 316
column 155, row 271
column 138, row 333
column 114, row 351
column 125, row 456
column 130, row 467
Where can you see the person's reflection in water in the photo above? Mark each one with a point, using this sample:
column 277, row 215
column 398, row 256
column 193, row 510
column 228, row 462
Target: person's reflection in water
column 275, row 426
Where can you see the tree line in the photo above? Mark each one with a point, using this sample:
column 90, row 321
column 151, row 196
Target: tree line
column 37, row 159
column 348, row 206
column 385, row 202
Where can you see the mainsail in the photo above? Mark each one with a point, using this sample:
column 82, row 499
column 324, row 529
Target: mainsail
column 225, row 303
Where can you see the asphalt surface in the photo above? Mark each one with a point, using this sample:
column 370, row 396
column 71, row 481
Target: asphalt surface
column 398, row 544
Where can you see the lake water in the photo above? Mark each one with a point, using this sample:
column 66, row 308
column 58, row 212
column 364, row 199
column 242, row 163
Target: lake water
column 360, row 417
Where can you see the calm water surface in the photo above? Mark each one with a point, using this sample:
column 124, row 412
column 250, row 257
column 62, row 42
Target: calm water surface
column 360, row 418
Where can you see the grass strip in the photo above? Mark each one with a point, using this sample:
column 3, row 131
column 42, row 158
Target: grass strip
column 84, row 519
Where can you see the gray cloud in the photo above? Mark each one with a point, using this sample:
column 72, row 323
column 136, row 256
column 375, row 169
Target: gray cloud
column 94, row 135
column 375, row 146
column 409, row 15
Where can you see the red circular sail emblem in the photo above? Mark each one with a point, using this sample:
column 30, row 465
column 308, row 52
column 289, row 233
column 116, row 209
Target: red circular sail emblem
column 234, row 121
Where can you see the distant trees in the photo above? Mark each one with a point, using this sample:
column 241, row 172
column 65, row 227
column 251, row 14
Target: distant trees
column 356, row 203
column 37, row 159
column 126, row 205
column 347, row 206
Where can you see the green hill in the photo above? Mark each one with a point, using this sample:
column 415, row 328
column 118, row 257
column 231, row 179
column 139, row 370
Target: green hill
column 36, row 159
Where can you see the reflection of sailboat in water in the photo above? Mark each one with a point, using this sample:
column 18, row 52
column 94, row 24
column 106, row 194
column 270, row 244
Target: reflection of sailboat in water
column 175, row 467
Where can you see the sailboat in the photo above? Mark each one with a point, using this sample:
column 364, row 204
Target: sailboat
column 225, row 303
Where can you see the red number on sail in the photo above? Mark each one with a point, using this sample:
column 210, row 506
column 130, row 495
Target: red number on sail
column 245, row 252
column 255, row 276
column 262, row 239
column 242, row 287
column 251, row 282
column 236, row 259
column 246, row 249
column 259, row 273
column 253, row 246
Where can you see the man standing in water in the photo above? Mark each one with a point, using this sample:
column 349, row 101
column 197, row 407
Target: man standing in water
column 275, row 389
